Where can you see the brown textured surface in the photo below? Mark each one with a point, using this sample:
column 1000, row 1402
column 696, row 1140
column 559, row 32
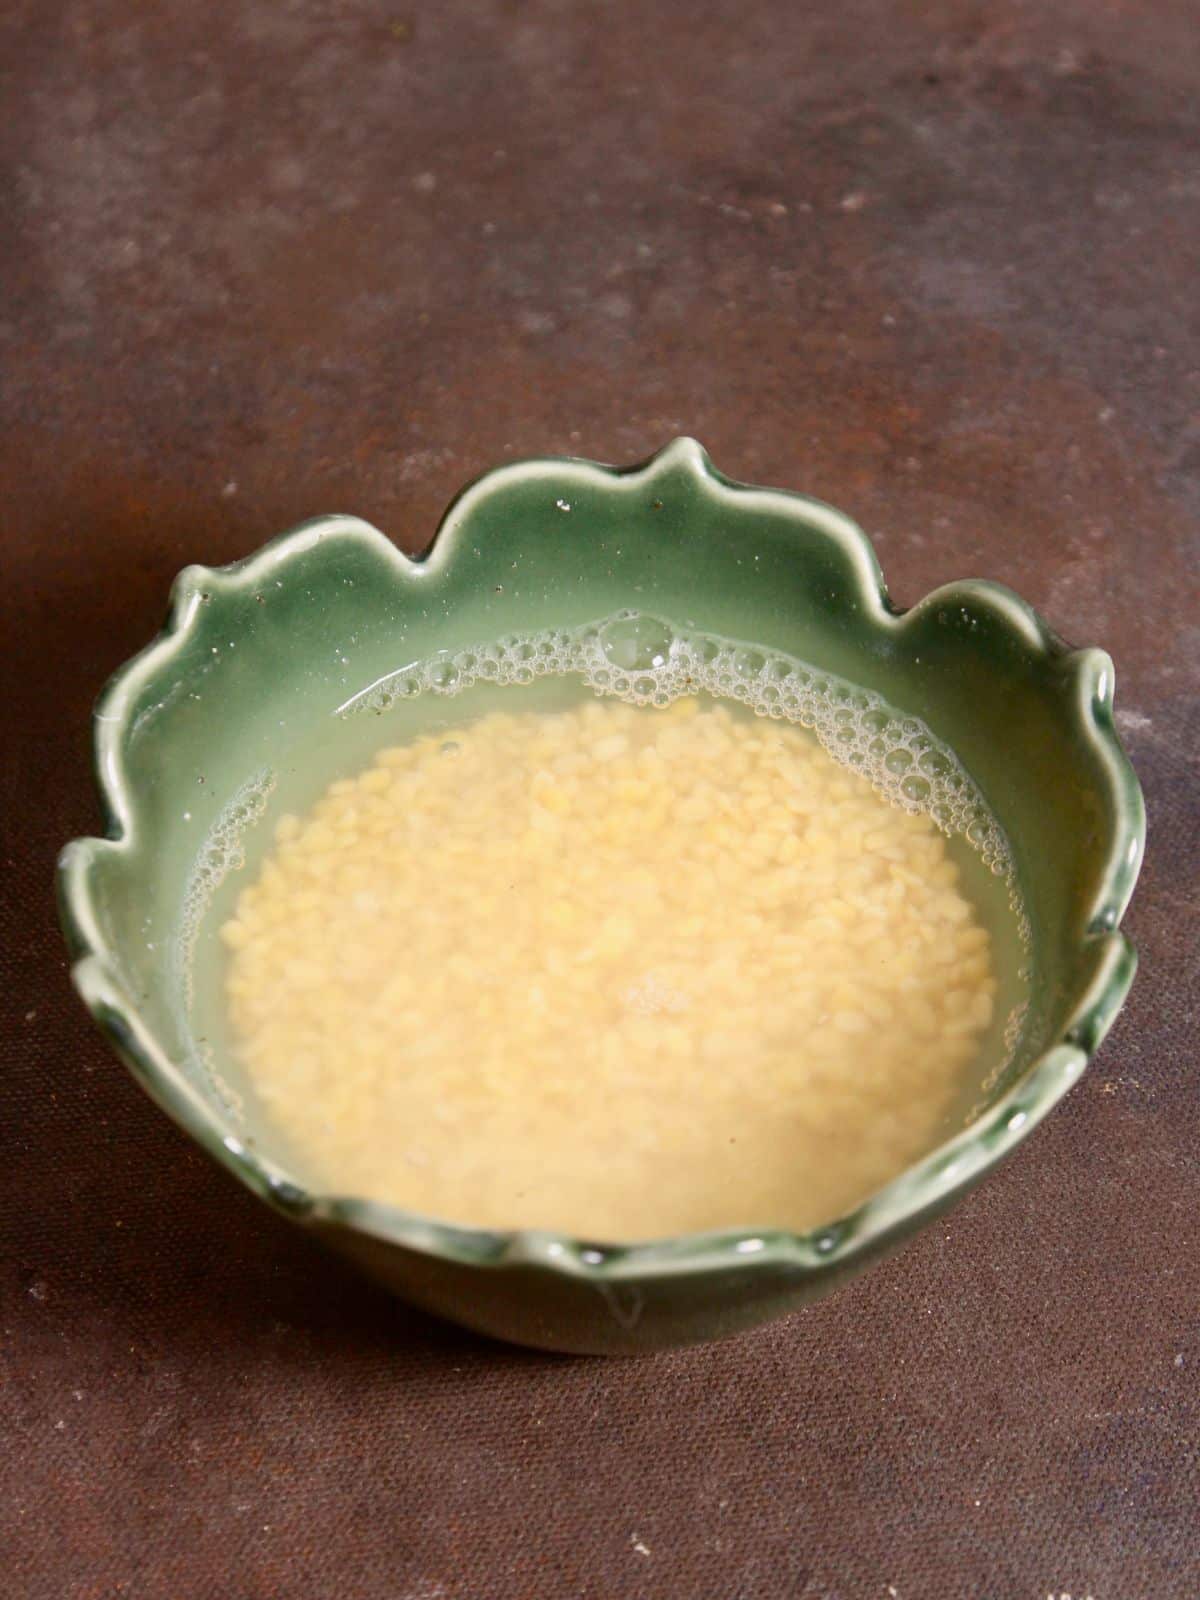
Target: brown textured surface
column 936, row 263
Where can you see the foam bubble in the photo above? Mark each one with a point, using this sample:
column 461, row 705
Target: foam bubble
column 635, row 642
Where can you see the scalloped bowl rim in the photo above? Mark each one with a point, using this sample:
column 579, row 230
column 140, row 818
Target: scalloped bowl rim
column 951, row 1167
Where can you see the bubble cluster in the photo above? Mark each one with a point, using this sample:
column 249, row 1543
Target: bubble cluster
column 201, row 1058
column 996, row 1077
column 645, row 660
column 221, row 853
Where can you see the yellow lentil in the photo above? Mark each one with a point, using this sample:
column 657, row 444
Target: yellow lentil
column 619, row 972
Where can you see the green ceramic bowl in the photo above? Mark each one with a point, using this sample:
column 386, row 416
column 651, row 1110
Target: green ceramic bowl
column 196, row 743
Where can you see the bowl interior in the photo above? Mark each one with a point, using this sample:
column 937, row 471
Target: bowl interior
column 215, row 740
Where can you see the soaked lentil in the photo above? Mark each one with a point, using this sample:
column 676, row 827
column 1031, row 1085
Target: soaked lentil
column 614, row 971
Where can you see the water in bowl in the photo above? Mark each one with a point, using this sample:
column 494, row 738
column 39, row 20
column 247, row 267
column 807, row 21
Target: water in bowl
column 632, row 931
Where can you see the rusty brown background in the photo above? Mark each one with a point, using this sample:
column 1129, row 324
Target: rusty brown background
column 937, row 263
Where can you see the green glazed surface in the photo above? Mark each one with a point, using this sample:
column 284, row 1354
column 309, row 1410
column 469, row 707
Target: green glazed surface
column 280, row 641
